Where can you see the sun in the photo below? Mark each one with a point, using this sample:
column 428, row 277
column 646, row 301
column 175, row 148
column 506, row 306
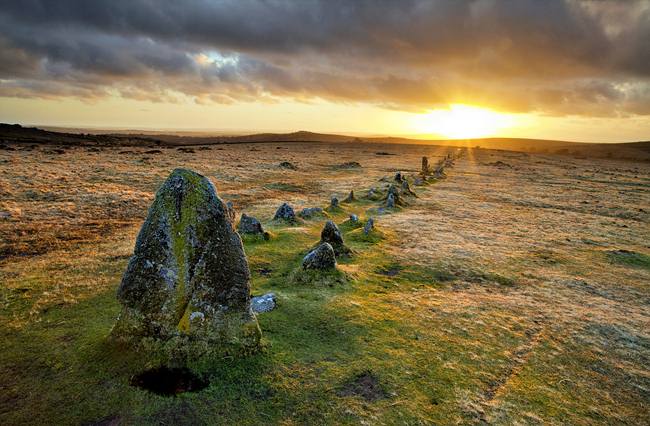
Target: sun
column 460, row 121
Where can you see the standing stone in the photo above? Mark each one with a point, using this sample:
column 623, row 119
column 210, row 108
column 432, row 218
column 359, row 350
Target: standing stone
column 188, row 281
column 439, row 173
column 398, row 177
column 310, row 212
column 332, row 235
column 390, row 201
column 369, row 226
column 393, row 197
column 334, row 203
column 350, row 198
column 320, row 258
column 285, row 212
column 354, row 218
column 406, row 188
column 425, row 166
column 249, row 225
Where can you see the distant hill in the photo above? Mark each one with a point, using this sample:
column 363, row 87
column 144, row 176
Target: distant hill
column 14, row 133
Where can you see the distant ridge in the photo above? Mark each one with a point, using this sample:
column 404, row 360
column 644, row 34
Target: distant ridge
column 15, row 133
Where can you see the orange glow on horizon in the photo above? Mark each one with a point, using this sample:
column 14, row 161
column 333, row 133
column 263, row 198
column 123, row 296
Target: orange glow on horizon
column 460, row 121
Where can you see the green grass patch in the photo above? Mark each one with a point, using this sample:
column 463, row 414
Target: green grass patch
column 629, row 258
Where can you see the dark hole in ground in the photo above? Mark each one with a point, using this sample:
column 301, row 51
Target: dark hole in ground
column 365, row 385
column 169, row 381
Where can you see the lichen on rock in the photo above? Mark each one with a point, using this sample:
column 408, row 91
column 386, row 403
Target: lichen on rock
column 320, row 258
column 285, row 213
column 249, row 225
column 187, row 285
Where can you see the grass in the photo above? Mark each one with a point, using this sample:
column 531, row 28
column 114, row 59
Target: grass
column 631, row 258
column 313, row 341
column 443, row 342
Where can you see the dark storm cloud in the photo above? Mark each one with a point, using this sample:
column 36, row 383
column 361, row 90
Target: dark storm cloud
column 557, row 57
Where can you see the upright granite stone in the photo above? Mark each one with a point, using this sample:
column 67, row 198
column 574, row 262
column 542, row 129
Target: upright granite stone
column 249, row 225
column 390, row 201
column 334, row 203
column 393, row 197
column 425, row 166
column 332, row 235
column 406, row 188
column 369, row 226
column 285, row 212
column 320, row 258
column 187, row 285
column 350, row 198
column 312, row 212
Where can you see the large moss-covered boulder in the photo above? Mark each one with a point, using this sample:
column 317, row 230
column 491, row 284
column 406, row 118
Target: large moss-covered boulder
column 187, row 285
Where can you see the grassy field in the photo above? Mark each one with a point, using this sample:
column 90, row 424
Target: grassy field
column 516, row 291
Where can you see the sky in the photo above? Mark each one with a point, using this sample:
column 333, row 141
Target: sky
column 552, row 69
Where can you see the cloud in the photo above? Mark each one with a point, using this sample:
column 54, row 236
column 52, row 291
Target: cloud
column 554, row 57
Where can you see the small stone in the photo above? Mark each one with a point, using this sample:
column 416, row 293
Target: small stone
column 287, row 165
column 321, row 258
column 285, row 212
column 249, row 225
column 264, row 303
column 369, row 226
column 310, row 212
column 354, row 218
